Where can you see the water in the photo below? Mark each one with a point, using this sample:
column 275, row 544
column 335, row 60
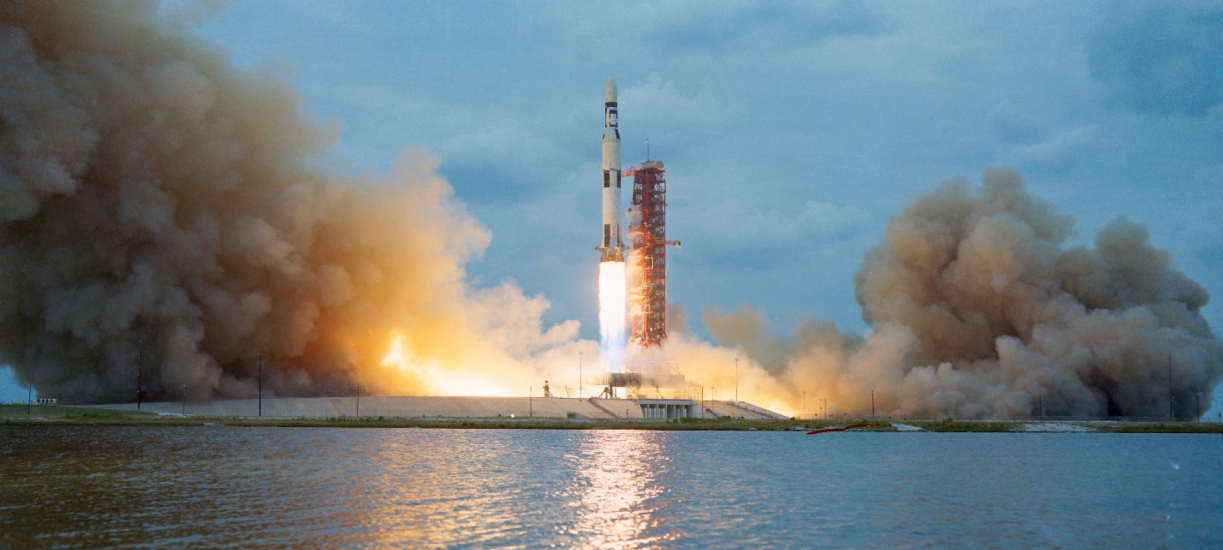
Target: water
column 362, row 488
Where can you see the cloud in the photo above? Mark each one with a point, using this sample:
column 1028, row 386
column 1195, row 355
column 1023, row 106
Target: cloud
column 1167, row 59
column 501, row 162
column 732, row 232
column 1055, row 151
column 734, row 26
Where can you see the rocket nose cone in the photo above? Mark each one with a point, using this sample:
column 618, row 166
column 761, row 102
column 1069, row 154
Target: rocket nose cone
column 609, row 91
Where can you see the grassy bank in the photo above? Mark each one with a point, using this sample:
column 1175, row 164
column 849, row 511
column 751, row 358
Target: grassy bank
column 63, row 415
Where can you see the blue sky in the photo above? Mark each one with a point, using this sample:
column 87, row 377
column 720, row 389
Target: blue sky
column 792, row 132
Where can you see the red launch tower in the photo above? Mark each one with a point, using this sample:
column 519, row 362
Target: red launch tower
column 648, row 234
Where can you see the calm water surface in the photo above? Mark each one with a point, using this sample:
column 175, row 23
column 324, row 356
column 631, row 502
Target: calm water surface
column 64, row 486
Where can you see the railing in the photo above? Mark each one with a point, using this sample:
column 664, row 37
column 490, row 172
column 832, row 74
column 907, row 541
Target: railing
column 602, row 408
column 757, row 410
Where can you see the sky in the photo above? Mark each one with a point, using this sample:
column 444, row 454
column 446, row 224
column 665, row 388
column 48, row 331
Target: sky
column 791, row 132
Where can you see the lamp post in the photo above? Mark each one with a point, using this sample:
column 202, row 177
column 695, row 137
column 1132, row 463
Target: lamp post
column 580, row 375
column 260, row 385
column 29, row 397
column 872, row 403
column 702, row 402
column 184, row 400
column 804, row 401
column 531, row 401
column 825, row 408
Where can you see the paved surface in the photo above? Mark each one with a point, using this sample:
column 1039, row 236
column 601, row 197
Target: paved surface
column 423, row 406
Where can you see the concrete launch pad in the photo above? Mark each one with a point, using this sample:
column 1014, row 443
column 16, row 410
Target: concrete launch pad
column 460, row 407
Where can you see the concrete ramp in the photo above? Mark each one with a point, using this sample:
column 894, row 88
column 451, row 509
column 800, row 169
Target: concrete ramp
column 729, row 408
column 401, row 407
column 435, row 407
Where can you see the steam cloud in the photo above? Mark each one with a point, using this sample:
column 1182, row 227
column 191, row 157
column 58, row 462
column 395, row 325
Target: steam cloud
column 163, row 211
column 160, row 208
column 979, row 310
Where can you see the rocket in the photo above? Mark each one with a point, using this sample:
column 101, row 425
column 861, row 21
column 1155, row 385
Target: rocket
column 612, row 247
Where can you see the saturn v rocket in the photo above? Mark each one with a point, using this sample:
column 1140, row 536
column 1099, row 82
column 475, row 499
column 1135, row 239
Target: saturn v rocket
column 612, row 248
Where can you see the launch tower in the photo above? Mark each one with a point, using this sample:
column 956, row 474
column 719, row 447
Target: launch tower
column 648, row 234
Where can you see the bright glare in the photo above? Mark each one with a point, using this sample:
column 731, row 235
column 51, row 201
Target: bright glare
column 435, row 378
column 613, row 325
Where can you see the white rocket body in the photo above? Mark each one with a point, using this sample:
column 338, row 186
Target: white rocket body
column 612, row 245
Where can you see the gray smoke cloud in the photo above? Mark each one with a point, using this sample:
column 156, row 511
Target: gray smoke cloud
column 979, row 309
column 161, row 211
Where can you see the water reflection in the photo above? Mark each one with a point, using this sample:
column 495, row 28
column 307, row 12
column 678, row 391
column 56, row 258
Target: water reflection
column 620, row 494
column 89, row 487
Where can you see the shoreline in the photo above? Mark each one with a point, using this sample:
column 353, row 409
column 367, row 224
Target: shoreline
column 44, row 415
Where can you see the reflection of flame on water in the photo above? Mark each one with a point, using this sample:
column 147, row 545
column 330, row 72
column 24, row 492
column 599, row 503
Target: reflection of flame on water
column 435, row 377
column 619, row 493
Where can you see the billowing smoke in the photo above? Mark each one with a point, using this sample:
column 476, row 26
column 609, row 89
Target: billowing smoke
column 980, row 310
column 162, row 217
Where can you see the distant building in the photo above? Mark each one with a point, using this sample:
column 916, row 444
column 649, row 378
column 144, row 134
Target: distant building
column 46, row 400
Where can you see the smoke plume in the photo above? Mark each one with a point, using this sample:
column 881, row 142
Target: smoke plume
column 162, row 219
column 980, row 310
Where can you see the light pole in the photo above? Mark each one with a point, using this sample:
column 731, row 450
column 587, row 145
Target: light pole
column 29, row 397
column 358, row 400
column 825, row 408
column 260, row 385
column 872, row 403
column 139, row 348
column 531, row 401
column 184, row 400
column 804, row 401
column 580, row 375
column 702, row 402
column 1040, row 403
column 736, row 379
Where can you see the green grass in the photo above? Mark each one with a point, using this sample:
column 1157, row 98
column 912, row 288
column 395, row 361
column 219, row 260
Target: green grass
column 66, row 415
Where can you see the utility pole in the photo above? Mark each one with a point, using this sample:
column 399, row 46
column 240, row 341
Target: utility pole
column 702, row 401
column 736, row 379
column 358, row 400
column 139, row 348
column 804, row 409
column 825, row 408
column 1198, row 417
column 1040, row 404
column 1170, row 386
column 29, row 397
column 260, row 385
column 872, row 403
column 579, row 375
column 184, row 400
column 531, row 401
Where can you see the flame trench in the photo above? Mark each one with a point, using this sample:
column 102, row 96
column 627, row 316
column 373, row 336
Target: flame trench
column 612, row 317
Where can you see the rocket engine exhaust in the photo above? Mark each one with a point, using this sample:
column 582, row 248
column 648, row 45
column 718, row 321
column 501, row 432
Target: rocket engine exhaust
column 613, row 324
